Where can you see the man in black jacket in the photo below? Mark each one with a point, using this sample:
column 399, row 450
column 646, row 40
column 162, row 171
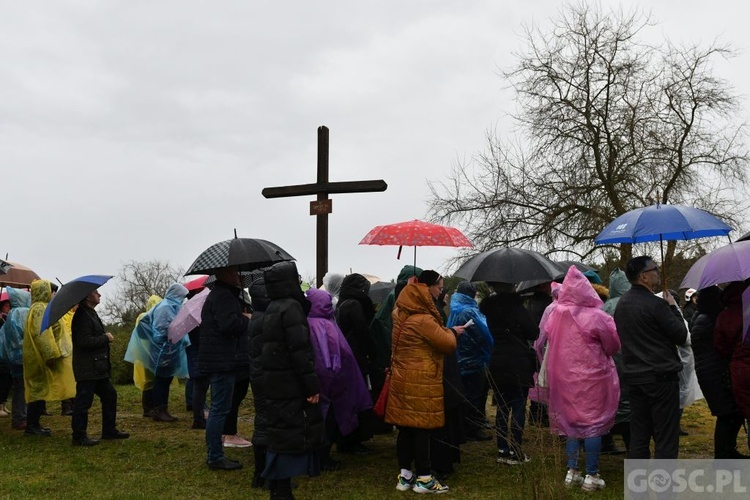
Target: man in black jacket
column 650, row 330
column 223, row 326
column 91, row 368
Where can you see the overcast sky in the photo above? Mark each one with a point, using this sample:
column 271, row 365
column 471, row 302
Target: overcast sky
column 133, row 130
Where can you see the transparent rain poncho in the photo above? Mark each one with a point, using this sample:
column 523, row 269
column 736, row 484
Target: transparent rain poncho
column 149, row 343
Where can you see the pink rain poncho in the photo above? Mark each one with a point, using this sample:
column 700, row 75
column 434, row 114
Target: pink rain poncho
column 583, row 386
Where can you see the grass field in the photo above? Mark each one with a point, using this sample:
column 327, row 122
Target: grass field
column 168, row 461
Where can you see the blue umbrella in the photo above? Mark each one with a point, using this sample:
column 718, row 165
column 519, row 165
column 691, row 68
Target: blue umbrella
column 69, row 295
column 662, row 222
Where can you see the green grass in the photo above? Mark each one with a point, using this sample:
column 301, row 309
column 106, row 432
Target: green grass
column 168, row 461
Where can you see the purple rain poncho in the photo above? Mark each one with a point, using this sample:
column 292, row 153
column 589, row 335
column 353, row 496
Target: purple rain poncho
column 341, row 384
column 583, row 386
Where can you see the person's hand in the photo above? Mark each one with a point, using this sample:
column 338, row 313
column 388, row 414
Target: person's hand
column 247, row 315
column 314, row 399
column 459, row 329
column 670, row 300
column 110, row 336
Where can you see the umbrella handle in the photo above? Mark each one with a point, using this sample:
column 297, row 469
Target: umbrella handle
column 398, row 255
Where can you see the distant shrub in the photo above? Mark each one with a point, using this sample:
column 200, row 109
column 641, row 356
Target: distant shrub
column 122, row 371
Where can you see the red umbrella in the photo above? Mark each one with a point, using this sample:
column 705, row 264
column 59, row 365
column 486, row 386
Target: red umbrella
column 416, row 233
column 197, row 284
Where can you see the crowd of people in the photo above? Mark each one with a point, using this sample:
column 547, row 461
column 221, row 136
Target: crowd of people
column 588, row 361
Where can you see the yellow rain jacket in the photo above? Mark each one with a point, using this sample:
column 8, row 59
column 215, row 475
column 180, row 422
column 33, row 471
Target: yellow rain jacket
column 47, row 361
column 142, row 378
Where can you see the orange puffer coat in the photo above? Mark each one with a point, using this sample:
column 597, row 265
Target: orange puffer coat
column 420, row 341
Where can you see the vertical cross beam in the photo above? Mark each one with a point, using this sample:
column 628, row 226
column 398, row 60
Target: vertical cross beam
column 321, row 243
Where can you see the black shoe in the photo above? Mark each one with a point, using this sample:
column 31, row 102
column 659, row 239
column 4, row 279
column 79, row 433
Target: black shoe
column 355, row 449
column 37, row 431
column 225, row 464
column 85, row 441
column 198, row 425
column 115, row 435
column 259, row 482
column 613, row 450
column 330, row 465
column 478, row 436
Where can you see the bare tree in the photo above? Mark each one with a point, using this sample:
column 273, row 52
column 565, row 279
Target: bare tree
column 607, row 123
column 137, row 281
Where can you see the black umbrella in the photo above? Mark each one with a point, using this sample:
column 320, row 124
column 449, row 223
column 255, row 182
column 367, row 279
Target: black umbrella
column 247, row 253
column 508, row 265
column 69, row 295
column 379, row 291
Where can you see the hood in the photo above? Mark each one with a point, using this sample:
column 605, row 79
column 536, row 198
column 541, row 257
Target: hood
column 176, row 293
column 41, row 291
column 618, row 284
column 709, row 300
column 460, row 301
column 152, row 301
column 415, row 298
column 332, row 283
column 18, row 297
column 259, row 295
column 322, row 304
column 282, row 280
column 407, row 272
column 577, row 290
column 354, row 286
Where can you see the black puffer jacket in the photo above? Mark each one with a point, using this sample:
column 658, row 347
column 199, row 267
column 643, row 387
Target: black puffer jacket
column 294, row 425
column 259, row 296
column 223, row 331
column 650, row 331
column 354, row 312
column 90, row 346
column 711, row 369
column 512, row 361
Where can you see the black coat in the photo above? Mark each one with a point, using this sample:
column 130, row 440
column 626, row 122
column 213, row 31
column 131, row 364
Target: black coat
column 711, row 369
column 223, row 332
column 260, row 420
column 90, row 346
column 354, row 322
column 512, row 361
column 650, row 331
column 294, row 425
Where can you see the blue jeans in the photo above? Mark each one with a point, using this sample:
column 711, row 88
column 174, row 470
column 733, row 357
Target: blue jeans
column 222, row 387
column 511, row 408
column 592, row 446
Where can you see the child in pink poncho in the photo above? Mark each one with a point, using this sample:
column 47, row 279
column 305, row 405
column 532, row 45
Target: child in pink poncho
column 583, row 386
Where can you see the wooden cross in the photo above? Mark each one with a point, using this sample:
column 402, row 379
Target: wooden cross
column 323, row 205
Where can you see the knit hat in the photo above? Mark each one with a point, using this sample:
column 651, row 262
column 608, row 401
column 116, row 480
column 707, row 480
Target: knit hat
column 429, row 277
column 467, row 288
column 689, row 293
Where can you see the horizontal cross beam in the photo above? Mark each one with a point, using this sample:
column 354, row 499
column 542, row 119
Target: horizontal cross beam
column 325, row 188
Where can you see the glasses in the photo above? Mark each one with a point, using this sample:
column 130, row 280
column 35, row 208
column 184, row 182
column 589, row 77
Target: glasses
column 655, row 268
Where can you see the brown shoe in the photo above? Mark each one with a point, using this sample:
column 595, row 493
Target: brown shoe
column 162, row 415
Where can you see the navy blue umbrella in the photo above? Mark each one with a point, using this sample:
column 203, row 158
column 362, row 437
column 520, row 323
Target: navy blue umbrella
column 69, row 295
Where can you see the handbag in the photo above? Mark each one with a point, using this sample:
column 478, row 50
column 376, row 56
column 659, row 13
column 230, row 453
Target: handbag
column 380, row 404
column 379, row 408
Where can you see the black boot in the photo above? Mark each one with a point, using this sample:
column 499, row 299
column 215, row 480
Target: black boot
column 160, row 414
column 147, row 401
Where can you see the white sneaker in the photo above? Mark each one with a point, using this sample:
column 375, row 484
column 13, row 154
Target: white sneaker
column 573, row 477
column 235, row 441
column 592, row 483
column 4, row 412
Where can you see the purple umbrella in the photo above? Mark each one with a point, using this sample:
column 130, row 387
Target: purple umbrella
column 728, row 263
column 188, row 317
